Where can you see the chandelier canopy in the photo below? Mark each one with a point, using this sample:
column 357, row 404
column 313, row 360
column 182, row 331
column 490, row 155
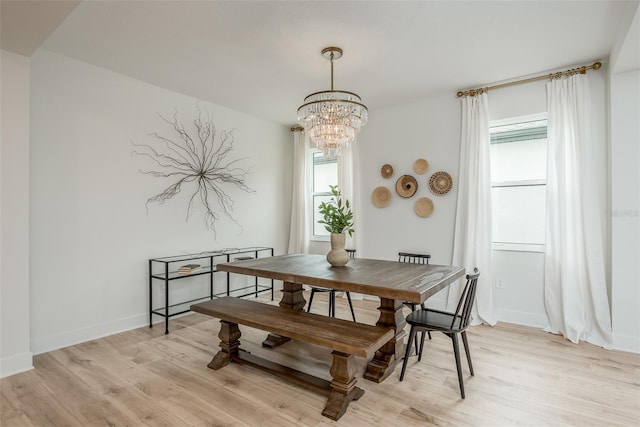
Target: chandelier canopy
column 332, row 118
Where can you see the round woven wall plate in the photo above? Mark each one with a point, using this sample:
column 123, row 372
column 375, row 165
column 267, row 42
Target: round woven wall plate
column 420, row 166
column 423, row 207
column 440, row 183
column 386, row 171
column 406, row 186
column 381, row 197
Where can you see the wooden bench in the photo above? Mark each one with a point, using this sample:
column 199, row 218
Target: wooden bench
column 347, row 339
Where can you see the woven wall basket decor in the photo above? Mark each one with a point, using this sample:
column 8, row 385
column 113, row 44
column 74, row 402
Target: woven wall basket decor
column 440, row 183
column 406, row 186
column 386, row 170
column 423, row 207
column 420, row 166
column 381, row 197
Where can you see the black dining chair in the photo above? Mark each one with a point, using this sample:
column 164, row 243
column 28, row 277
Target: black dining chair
column 415, row 259
column 332, row 294
column 450, row 324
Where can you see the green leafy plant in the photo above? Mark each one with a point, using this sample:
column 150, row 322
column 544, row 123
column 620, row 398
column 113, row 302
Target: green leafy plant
column 337, row 216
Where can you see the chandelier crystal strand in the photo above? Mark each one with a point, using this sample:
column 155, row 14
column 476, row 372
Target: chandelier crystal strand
column 332, row 118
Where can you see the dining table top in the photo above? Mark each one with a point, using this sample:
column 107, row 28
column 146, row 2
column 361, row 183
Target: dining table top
column 385, row 279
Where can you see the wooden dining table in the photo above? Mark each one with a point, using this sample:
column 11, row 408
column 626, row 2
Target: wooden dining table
column 393, row 282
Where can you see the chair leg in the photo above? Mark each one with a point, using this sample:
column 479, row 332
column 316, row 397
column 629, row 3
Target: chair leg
column 332, row 303
column 313, row 292
column 456, row 351
column 351, row 307
column 424, row 307
column 412, row 335
column 422, row 345
column 466, row 349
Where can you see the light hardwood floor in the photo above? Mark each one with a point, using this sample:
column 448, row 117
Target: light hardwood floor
column 523, row 376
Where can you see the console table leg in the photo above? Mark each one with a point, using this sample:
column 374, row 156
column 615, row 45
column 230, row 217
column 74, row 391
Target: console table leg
column 385, row 359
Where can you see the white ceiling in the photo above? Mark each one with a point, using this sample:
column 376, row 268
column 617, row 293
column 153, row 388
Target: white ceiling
column 263, row 57
column 24, row 25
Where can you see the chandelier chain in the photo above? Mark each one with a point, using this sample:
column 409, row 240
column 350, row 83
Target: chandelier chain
column 332, row 70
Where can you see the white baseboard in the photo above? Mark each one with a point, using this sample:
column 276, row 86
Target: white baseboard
column 627, row 343
column 15, row 364
column 47, row 343
column 535, row 320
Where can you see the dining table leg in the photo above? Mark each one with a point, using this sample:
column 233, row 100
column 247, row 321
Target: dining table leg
column 293, row 298
column 385, row 359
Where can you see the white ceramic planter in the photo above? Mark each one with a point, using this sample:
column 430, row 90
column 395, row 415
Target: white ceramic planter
column 337, row 256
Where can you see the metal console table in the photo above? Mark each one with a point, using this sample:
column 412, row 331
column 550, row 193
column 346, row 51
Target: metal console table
column 167, row 269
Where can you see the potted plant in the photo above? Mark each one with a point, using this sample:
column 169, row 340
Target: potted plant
column 337, row 218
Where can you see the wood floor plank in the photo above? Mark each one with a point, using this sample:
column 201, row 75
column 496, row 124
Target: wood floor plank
column 196, row 412
column 523, row 376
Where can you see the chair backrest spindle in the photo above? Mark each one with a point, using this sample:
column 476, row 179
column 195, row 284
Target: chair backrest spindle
column 463, row 310
column 413, row 258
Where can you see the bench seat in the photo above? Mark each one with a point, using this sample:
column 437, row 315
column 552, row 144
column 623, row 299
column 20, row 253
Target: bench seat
column 345, row 338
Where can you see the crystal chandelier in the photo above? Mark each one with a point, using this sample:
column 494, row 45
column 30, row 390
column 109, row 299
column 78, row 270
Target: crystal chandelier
column 332, row 118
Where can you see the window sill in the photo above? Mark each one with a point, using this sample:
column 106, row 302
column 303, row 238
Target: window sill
column 517, row 247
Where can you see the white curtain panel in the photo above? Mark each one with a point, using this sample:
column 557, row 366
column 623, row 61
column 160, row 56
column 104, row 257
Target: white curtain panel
column 472, row 241
column 575, row 290
column 345, row 184
column 298, row 234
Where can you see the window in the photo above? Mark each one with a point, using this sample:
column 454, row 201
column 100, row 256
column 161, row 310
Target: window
column 518, row 182
column 324, row 172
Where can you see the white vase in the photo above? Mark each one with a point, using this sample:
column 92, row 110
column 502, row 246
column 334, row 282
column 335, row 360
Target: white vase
column 337, row 256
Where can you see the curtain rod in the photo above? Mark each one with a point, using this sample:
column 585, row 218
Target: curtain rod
column 581, row 70
column 296, row 129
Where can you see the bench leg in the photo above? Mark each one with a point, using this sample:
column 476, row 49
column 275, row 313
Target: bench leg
column 229, row 343
column 343, row 386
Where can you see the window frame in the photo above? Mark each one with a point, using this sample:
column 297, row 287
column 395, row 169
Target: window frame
column 312, row 194
column 513, row 246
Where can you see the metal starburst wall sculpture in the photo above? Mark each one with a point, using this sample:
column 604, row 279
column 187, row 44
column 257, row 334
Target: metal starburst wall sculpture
column 197, row 161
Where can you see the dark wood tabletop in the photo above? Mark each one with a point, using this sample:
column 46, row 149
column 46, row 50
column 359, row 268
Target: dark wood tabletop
column 385, row 279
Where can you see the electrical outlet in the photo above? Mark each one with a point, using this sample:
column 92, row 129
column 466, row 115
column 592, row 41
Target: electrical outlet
column 499, row 283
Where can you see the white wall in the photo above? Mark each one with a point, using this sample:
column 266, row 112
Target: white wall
column 91, row 235
column 625, row 187
column 625, row 208
column 399, row 136
column 15, row 353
